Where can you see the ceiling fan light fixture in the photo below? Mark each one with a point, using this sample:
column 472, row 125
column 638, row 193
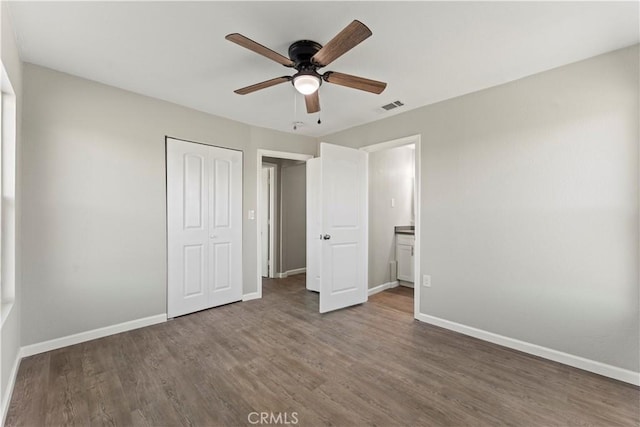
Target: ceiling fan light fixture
column 306, row 57
column 306, row 84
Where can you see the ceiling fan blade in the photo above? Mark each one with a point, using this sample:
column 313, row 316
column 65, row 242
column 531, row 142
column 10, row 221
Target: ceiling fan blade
column 259, row 49
column 352, row 35
column 313, row 102
column 354, row 82
column 262, row 85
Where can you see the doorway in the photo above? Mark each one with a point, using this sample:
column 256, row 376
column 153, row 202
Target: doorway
column 273, row 237
column 394, row 246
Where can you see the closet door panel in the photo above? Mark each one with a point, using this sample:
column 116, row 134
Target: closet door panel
column 187, row 228
column 225, row 215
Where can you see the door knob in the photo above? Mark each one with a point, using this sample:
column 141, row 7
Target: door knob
column 326, row 236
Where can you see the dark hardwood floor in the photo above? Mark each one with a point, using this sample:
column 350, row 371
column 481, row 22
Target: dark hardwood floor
column 399, row 298
column 371, row 364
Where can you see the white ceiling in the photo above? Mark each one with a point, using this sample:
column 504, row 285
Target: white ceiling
column 426, row 51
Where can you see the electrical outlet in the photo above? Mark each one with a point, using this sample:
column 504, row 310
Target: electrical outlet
column 426, row 281
column 252, row 214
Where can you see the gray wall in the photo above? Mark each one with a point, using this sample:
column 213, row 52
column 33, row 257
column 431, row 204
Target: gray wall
column 10, row 332
column 530, row 207
column 294, row 215
column 94, row 200
column 390, row 176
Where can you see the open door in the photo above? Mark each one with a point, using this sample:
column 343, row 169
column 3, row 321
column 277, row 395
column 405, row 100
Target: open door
column 343, row 208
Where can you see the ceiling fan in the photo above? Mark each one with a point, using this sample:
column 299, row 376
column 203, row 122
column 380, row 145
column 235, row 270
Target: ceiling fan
column 307, row 57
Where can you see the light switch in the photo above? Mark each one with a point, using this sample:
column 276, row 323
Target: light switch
column 393, row 202
column 426, row 281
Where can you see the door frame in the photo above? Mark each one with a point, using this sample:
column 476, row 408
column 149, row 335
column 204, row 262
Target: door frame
column 272, row 201
column 417, row 194
column 278, row 155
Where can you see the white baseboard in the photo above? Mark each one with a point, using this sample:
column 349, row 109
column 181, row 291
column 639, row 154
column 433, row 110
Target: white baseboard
column 291, row 273
column 56, row 343
column 383, row 287
column 295, row 271
column 537, row 350
column 252, row 295
column 8, row 392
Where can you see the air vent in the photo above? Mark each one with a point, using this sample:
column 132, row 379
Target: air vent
column 392, row 105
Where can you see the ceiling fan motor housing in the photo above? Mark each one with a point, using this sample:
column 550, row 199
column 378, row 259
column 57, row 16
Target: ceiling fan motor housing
column 301, row 52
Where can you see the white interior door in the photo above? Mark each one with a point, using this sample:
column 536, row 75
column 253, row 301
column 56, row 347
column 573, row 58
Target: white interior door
column 314, row 226
column 343, row 200
column 264, row 220
column 204, row 218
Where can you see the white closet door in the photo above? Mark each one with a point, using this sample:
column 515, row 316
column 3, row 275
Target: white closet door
column 204, row 219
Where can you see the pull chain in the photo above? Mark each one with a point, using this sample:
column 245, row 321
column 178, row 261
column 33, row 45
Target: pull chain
column 295, row 110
